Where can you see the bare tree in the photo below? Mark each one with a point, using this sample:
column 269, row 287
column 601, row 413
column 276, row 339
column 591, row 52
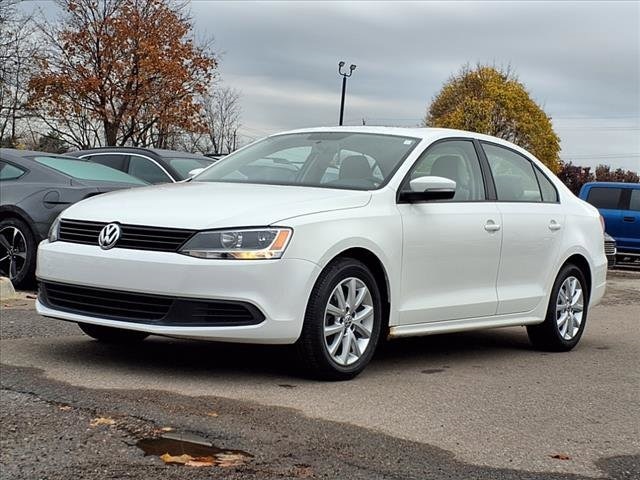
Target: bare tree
column 222, row 113
column 19, row 51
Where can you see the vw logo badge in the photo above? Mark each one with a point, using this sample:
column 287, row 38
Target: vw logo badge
column 109, row 235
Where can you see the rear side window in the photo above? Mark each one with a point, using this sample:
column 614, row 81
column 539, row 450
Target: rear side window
column 141, row 167
column 83, row 170
column 10, row 172
column 513, row 174
column 113, row 161
column 634, row 202
column 601, row 197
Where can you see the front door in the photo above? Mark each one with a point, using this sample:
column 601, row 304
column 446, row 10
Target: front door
column 451, row 249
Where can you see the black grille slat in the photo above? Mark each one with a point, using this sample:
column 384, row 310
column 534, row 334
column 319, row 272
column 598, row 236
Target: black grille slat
column 147, row 308
column 134, row 237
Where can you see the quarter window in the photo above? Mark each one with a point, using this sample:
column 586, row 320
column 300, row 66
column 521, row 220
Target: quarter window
column 457, row 161
column 10, row 172
column 549, row 192
column 145, row 169
column 602, row 197
column 513, row 175
column 634, row 202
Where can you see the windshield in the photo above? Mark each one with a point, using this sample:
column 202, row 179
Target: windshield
column 184, row 165
column 87, row 171
column 358, row 161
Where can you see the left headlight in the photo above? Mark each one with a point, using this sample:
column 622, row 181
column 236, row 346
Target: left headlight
column 239, row 244
column 54, row 230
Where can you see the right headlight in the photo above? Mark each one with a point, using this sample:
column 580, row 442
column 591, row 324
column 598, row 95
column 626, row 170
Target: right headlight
column 239, row 244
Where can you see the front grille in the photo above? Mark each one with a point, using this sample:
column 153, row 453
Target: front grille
column 133, row 237
column 146, row 308
column 609, row 248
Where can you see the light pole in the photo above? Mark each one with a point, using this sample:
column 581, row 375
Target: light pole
column 345, row 75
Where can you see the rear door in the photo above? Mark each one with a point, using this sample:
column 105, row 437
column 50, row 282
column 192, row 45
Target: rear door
column 630, row 220
column 532, row 229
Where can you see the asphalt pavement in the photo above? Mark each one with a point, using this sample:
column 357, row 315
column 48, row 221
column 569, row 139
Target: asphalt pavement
column 471, row 405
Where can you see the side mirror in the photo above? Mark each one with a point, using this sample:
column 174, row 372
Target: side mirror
column 424, row 189
column 195, row 171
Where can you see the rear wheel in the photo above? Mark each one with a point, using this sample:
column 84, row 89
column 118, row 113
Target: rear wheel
column 566, row 314
column 112, row 335
column 342, row 322
column 17, row 252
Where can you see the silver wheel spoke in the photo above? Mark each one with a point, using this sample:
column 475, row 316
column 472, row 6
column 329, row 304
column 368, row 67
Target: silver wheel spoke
column 22, row 255
column 346, row 346
column 333, row 310
column 13, row 271
column 4, row 258
column 339, row 294
column 333, row 348
column 354, row 344
column 364, row 331
column 333, row 329
column 351, row 293
column 563, row 319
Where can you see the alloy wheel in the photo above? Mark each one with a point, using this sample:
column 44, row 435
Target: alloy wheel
column 569, row 308
column 348, row 321
column 13, row 252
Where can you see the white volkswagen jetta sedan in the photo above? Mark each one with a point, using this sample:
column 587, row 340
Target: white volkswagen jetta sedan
column 333, row 238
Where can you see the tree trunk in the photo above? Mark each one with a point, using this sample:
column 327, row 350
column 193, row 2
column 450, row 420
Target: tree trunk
column 110, row 133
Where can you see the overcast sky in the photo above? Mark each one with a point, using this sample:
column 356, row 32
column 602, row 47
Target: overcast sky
column 579, row 60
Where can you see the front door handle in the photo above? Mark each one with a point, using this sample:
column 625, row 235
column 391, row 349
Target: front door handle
column 491, row 226
column 629, row 219
column 553, row 226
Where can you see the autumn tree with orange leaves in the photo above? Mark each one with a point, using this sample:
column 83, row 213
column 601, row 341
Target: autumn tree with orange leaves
column 121, row 72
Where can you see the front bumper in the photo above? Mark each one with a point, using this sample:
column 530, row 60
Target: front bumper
column 279, row 289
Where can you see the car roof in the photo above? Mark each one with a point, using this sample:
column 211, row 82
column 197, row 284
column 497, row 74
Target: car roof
column 155, row 151
column 422, row 133
column 27, row 154
column 612, row 185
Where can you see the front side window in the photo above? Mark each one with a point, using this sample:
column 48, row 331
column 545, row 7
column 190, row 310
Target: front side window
column 603, row 197
column 456, row 160
column 83, row 170
column 513, row 175
column 10, row 172
column 141, row 167
column 357, row 161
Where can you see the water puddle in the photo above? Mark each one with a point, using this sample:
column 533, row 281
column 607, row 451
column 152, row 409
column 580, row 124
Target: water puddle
column 191, row 451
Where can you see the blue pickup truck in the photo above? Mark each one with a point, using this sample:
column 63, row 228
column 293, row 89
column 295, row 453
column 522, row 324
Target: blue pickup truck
column 619, row 205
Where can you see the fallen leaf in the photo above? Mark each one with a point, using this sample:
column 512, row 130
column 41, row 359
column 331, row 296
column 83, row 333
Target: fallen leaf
column 179, row 459
column 201, row 462
column 230, row 459
column 561, row 456
column 102, row 421
column 167, row 429
column 31, row 297
column 65, row 408
column 211, row 414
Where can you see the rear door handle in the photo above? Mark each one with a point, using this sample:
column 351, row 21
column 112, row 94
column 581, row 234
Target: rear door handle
column 553, row 226
column 629, row 219
column 491, row 226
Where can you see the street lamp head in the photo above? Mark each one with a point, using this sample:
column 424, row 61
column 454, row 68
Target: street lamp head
column 341, row 64
column 352, row 67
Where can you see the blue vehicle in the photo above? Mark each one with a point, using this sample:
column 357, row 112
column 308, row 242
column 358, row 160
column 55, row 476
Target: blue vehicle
column 619, row 205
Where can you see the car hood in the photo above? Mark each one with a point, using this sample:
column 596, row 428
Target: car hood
column 202, row 205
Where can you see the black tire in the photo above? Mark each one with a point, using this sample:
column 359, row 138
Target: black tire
column 112, row 335
column 547, row 335
column 315, row 358
column 20, row 265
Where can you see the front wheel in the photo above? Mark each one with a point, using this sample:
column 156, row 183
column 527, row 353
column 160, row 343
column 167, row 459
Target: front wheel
column 566, row 314
column 342, row 322
column 112, row 335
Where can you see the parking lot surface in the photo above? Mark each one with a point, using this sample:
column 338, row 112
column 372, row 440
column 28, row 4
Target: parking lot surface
column 472, row 405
